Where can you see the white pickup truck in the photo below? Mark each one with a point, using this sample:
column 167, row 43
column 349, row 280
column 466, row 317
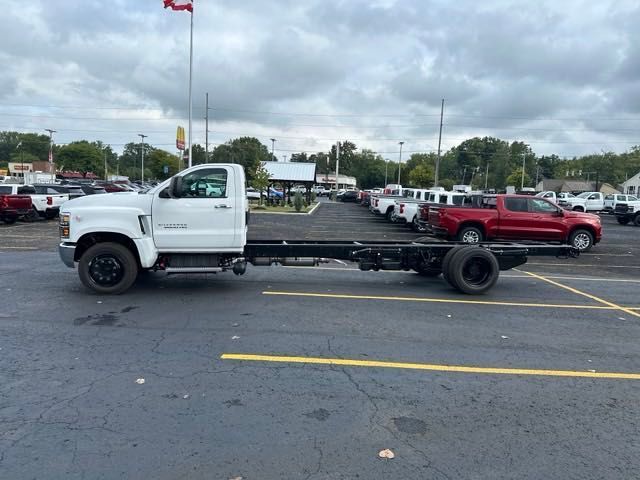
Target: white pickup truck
column 184, row 226
column 406, row 209
column 46, row 205
column 383, row 204
column 585, row 202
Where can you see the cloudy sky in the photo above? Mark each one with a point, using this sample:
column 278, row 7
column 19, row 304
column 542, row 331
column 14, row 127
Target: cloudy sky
column 561, row 76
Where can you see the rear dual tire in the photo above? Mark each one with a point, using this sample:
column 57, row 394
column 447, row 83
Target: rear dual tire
column 471, row 270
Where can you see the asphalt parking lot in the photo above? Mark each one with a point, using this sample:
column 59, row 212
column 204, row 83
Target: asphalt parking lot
column 309, row 373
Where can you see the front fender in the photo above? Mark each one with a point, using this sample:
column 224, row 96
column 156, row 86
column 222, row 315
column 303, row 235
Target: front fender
column 122, row 220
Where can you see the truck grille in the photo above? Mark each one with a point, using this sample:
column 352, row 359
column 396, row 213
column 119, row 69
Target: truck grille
column 622, row 208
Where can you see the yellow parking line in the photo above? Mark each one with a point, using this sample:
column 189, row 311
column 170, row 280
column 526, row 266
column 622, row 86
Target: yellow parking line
column 437, row 300
column 584, row 294
column 426, row 366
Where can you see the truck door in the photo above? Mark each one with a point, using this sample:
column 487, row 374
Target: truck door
column 546, row 223
column 595, row 202
column 203, row 218
column 515, row 219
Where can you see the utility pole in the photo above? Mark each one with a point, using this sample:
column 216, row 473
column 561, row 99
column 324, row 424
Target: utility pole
column 486, row 177
column 206, row 130
column 524, row 157
column 337, row 167
column 273, row 147
column 386, row 167
column 464, row 174
column 105, row 163
column 51, row 165
column 400, row 161
column 436, row 177
column 142, row 137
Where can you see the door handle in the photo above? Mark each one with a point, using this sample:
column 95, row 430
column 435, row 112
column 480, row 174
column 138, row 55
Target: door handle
column 222, row 206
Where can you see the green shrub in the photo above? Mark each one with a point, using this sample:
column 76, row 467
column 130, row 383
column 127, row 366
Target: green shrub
column 298, row 202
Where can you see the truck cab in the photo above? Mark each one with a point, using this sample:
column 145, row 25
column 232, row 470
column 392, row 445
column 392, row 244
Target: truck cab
column 196, row 221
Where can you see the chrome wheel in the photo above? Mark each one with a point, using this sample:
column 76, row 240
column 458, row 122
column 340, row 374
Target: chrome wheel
column 471, row 236
column 582, row 241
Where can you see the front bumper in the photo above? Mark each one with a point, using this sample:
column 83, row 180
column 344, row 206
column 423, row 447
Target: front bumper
column 67, row 252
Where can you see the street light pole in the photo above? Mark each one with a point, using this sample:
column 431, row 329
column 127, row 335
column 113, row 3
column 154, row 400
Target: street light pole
column 273, row 147
column 206, row 130
column 142, row 137
column 400, row 161
column 51, row 165
column 524, row 156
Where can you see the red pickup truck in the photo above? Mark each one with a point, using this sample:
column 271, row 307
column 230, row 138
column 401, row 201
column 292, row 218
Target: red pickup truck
column 516, row 217
column 14, row 206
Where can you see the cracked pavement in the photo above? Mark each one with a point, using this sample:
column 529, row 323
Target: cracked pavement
column 70, row 407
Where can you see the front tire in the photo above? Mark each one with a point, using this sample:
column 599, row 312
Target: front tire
column 636, row 220
column 471, row 235
column 416, row 226
column 582, row 240
column 623, row 220
column 108, row 268
column 578, row 209
column 9, row 220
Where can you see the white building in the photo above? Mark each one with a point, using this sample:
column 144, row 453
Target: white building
column 329, row 180
column 632, row 186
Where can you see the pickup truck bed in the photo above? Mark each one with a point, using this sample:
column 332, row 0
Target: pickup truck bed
column 13, row 207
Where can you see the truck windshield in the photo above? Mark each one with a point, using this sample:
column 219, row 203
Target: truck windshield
column 584, row 194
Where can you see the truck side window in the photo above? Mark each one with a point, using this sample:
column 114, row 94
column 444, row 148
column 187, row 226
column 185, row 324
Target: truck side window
column 5, row 189
column 540, row 206
column 205, row 183
column 516, row 204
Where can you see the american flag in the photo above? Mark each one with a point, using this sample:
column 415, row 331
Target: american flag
column 179, row 5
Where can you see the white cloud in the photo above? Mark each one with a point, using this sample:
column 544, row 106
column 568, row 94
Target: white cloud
column 553, row 74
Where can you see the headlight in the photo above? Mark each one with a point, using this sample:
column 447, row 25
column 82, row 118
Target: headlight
column 64, row 225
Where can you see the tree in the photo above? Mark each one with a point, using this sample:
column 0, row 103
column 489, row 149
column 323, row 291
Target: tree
column 300, row 157
column 421, row 176
column 131, row 158
column 246, row 151
column 80, row 156
column 260, row 180
column 515, row 179
column 154, row 165
column 198, row 154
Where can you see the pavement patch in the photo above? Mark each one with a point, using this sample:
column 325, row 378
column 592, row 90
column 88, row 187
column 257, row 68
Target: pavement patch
column 345, row 362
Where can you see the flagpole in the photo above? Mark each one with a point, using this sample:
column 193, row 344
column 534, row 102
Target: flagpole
column 190, row 77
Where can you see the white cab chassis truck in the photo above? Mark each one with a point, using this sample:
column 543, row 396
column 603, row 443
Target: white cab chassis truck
column 196, row 222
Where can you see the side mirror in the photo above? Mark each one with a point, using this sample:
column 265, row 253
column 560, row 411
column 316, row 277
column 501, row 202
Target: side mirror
column 560, row 212
column 175, row 187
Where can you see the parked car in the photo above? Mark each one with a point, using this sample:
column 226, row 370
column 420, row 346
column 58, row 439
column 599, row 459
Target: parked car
column 253, row 194
column 610, row 201
column 42, row 205
column 348, row 196
column 111, row 187
column 516, row 217
column 13, row 207
column 73, row 191
column 93, row 189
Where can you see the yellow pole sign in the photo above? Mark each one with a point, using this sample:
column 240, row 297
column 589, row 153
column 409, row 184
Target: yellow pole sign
column 180, row 138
